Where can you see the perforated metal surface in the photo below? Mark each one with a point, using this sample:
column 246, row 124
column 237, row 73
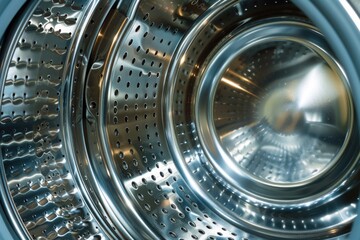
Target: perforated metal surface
column 128, row 119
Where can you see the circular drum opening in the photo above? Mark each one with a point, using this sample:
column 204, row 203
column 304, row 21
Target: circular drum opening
column 183, row 119
column 277, row 104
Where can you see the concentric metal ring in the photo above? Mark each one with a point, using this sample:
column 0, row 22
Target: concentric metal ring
column 289, row 153
column 113, row 115
column 214, row 175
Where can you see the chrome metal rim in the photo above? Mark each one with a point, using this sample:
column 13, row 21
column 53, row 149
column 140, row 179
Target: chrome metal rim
column 109, row 123
column 208, row 113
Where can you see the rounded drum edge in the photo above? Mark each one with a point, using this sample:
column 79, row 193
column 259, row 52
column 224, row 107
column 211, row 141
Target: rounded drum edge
column 126, row 120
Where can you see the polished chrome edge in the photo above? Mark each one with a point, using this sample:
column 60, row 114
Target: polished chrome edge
column 12, row 215
column 67, row 108
column 138, row 229
column 167, row 114
column 181, row 165
column 133, row 226
column 93, row 167
column 204, row 114
column 343, row 34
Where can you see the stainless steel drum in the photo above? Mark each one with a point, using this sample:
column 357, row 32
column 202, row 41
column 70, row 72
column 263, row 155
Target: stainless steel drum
column 201, row 119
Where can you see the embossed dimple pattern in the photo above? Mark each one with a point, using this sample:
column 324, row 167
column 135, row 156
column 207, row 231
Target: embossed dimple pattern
column 135, row 126
column 38, row 173
column 102, row 133
column 187, row 133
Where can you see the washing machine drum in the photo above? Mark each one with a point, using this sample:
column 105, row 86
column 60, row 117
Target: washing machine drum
column 181, row 119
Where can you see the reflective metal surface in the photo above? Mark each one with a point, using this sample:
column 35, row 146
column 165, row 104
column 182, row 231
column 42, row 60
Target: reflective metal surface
column 176, row 120
column 279, row 110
